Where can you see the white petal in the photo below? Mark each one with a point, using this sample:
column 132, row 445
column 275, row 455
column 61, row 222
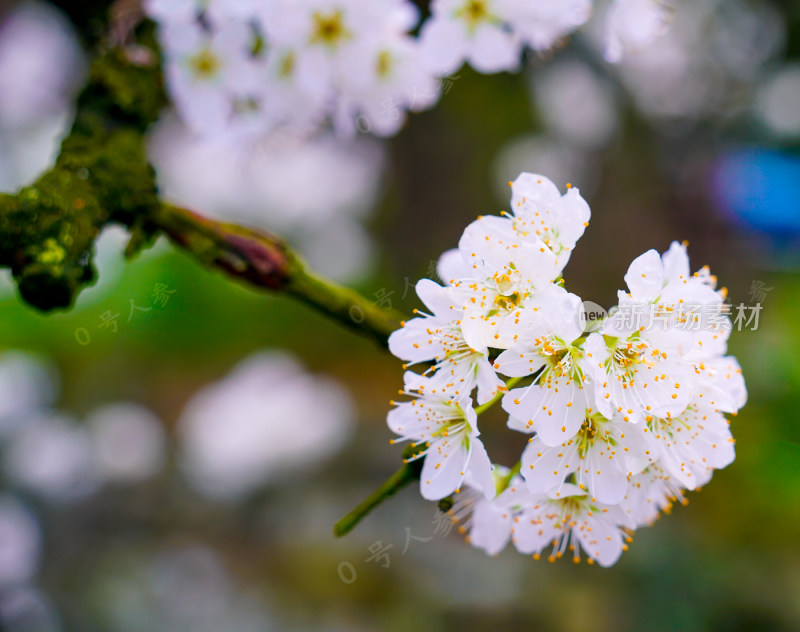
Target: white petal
column 489, row 384
column 645, row 277
column 544, row 468
column 443, row 45
column 493, row 50
column 556, row 407
column 413, row 342
column 601, row 540
column 533, row 531
column 480, row 469
column 516, row 363
column 604, row 477
column 533, row 191
column 491, row 527
column 452, row 267
column 676, row 263
column 438, row 299
column 444, row 468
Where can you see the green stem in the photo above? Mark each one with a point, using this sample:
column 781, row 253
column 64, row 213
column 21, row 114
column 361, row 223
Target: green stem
column 265, row 261
column 343, row 304
column 503, row 482
column 407, row 473
column 509, row 385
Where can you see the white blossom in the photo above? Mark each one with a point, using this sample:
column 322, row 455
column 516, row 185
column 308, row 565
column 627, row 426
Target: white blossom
column 631, row 25
column 623, row 420
column 554, row 405
column 492, row 521
column 650, row 493
column 539, row 209
column 211, row 75
column 692, row 445
column 671, row 307
column 441, row 418
column 601, row 457
column 129, row 442
column 506, row 273
column 542, row 23
column 385, row 78
column 437, row 337
column 268, row 418
column 471, row 30
column 571, row 521
column 251, row 67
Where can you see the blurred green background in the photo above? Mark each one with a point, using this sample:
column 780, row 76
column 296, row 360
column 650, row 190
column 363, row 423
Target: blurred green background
column 159, row 555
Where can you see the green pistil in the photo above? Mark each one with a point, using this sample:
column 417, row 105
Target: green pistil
column 592, row 429
column 507, row 302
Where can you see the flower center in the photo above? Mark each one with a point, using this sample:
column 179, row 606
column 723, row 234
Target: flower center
column 507, row 302
column 506, row 285
column 385, row 64
column 286, row 65
column 453, row 422
column 592, row 429
column 474, row 12
column 329, row 29
column 668, row 429
column 560, row 359
column 627, row 357
column 205, row 64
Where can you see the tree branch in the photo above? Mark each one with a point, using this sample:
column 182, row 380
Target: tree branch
column 264, row 261
column 102, row 176
column 402, row 477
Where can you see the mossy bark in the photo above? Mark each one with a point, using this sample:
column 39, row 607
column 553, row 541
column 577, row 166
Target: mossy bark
column 102, row 174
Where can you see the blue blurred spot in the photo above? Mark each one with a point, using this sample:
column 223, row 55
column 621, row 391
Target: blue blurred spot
column 760, row 189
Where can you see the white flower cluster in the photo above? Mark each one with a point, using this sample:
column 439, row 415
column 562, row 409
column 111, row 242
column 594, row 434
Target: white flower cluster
column 249, row 66
column 623, row 417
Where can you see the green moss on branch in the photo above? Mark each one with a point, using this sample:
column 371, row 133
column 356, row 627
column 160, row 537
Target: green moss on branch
column 48, row 229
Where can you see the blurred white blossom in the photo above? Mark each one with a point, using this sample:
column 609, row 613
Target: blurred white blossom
column 267, row 419
column 41, row 65
column 264, row 65
column 315, row 193
column 20, row 543
column 471, row 30
column 52, row 457
column 27, row 609
column 543, row 23
column 27, row 385
column 576, row 103
column 777, row 101
column 41, row 69
column 129, row 442
column 304, row 62
column 632, row 25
